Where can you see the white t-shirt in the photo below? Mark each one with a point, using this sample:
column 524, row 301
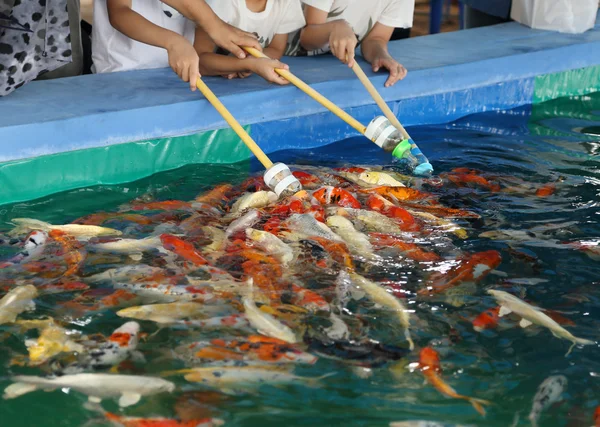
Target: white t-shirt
column 362, row 15
column 114, row 51
column 279, row 17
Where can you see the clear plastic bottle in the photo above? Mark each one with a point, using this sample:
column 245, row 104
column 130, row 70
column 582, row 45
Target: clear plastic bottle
column 385, row 135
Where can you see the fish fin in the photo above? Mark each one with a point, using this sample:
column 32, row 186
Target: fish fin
column 138, row 357
column 25, row 225
column 498, row 273
column 411, row 344
column 478, row 404
column 316, row 382
column 18, row 389
column 504, row 310
column 129, row 399
column 525, row 323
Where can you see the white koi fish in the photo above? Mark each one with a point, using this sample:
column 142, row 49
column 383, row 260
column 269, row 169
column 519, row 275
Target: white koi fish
column 271, row 244
column 16, row 301
column 84, row 232
column 379, row 178
column 249, row 219
column 128, row 273
column 357, row 242
column 259, row 199
column 374, row 221
column 306, row 225
column 265, row 323
column 163, row 313
column 533, row 315
column 127, row 246
column 158, row 292
column 129, row 388
column 379, row 295
column 548, row 393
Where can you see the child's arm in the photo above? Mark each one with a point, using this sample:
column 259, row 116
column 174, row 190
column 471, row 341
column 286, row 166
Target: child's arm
column 276, row 48
column 213, row 64
column 223, row 34
column 339, row 34
column 375, row 51
column 183, row 59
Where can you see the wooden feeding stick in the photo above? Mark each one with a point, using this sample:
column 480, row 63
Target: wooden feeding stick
column 286, row 74
column 238, row 129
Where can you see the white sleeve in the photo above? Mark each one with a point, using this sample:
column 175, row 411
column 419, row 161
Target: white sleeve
column 292, row 18
column 324, row 5
column 398, row 14
column 224, row 9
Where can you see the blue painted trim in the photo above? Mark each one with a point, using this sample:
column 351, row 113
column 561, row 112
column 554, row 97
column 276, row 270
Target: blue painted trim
column 450, row 76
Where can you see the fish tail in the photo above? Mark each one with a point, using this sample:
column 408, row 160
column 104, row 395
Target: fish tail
column 25, row 225
column 478, row 404
column 316, row 382
column 18, row 389
column 580, row 341
column 411, row 344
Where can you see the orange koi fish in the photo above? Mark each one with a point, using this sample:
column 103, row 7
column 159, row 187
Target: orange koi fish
column 99, row 299
column 463, row 177
column 429, row 361
column 409, row 250
column 487, row 320
column 443, row 212
column 397, row 193
column 308, row 299
column 167, row 205
column 338, row 251
column 71, row 248
column 44, row 269
column 216, row 196
column 182, row 248
column 597, row 417
column 472, row 268
column 306, row 179
column 122, row 421
column 102, row 217
column 406, row 220
column 350, row 170
column 546, row 190
column 336, row 196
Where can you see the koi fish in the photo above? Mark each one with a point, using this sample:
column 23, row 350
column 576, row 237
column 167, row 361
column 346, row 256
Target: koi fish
column 336, row 196
column 33, row 247
column 102, row 217
column 126, row 246
column 308, row 299
column 248, row 220
column 548, row 393
column 382, row 297
column 16, row 301
column 429, row 362
column 442, row 224
column 380, row 204
column 306, row 179
column 84, row 232
column 357, row 242
column 163, row 313
column 166, row 205
column 229, row 378
column 259, row 199
column 167, row 292
column 271, row 244
column 597, row 416
column 534, row 315
column 255, row 347
column 72, row 251
column 441, row 211
column 216, row 196
column 546, row 190
column 402, row 194
column 379, row 178
column 307, row 226
column 263, row 322
column 120, row 346
column 487, row 320
column 374, row 221
column 53, row 340
column 591, row 249
column 182, row 248
column 471, row 179
column 234, row 321
column 99, row 299
column 122, row 421
column 472, row 268
column 129, row 388
column 409, row 250
column 127, row 273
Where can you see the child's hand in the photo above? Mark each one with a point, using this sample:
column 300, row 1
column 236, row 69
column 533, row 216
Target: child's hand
column 230, row 38
column 397, row 70
column 342, row 42
column 184, row 60
column 265, row 68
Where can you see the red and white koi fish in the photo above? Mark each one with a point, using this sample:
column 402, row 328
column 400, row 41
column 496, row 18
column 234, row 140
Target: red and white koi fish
column 336, row 196
column 429, row 363
column 72, row 251
column 33, row 247
column 62, row 287
column 487, row 320
column 409, row 250
column 472, row 268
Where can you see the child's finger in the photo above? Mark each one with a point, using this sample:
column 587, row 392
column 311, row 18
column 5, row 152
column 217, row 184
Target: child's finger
column 194, row 76
column 185, row 75
column 350, row 55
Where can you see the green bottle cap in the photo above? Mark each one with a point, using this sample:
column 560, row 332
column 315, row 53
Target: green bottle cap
column 401, row 149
